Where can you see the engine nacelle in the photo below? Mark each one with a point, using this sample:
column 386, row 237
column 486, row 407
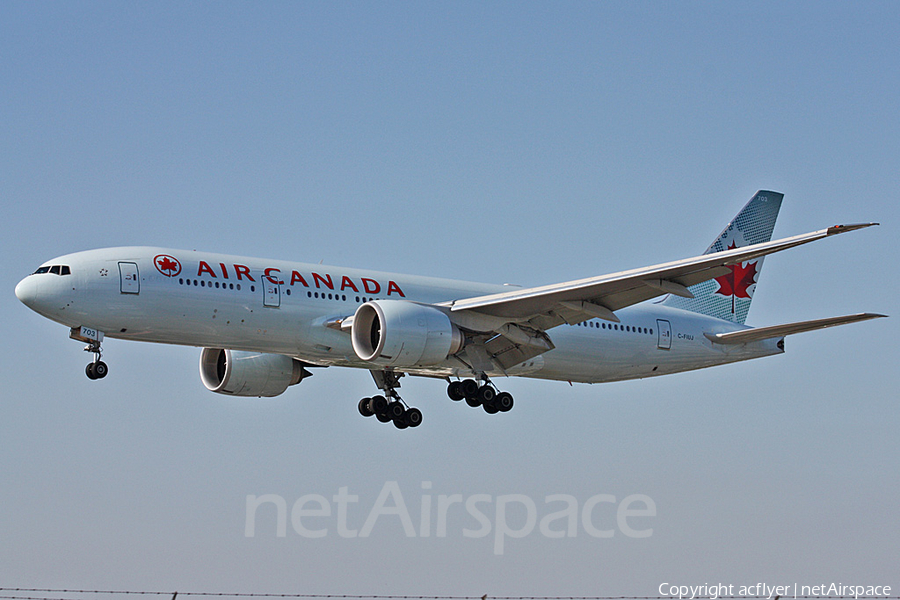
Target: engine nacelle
column 398, row 333
column 249, row 373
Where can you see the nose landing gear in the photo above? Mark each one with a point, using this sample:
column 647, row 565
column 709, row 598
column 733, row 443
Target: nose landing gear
column 96, row 369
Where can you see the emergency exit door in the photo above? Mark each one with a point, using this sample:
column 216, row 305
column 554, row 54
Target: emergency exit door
column 271, row 293
column 664, row 329
column 129, row 278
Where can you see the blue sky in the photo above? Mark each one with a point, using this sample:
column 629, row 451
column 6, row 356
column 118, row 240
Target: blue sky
column 504, row 142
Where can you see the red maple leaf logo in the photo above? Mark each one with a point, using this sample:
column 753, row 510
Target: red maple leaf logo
column 167, row 265
column 739, row 280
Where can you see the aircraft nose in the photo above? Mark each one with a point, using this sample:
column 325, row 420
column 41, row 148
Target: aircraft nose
column 26, row 291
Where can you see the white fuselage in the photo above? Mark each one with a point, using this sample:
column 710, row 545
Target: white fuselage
column 280, row 307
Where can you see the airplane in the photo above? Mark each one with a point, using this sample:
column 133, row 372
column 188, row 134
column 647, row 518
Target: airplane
column 263, row 324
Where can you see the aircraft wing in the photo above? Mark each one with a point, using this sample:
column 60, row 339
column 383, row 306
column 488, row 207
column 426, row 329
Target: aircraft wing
column 777, row 331
column 574, row 301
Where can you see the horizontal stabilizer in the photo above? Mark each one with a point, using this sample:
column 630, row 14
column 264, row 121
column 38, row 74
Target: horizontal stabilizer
column 776, row 331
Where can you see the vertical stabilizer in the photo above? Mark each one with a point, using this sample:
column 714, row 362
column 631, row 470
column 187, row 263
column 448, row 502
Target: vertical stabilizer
column 728, row 297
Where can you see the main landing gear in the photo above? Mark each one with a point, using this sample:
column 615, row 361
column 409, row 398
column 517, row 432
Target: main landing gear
column 485, row 395
column 390, row 408
column 96, row 369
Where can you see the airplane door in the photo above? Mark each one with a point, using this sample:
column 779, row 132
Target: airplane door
column 664, row 329
column 271, row 293
column 129, row 278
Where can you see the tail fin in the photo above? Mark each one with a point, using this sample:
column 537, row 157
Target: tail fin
column 728, row 297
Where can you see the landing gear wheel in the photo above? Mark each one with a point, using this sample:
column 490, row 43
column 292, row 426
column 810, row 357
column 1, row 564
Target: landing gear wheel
column 89, row 371
column 491, row 407
column 413, row 417
column 468, row 387
column 454, row 390
column 100, row 369
column 378, row 404
column 486, row 394
column 504, row 401
column 473, row 401
column 389, row 408
column 364, row 409
column 396, row 410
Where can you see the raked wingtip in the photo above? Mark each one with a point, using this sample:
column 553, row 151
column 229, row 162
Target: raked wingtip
column 836, row 229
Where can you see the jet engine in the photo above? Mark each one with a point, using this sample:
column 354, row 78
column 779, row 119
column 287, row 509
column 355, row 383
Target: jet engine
column 249, row 373
column 398, row 333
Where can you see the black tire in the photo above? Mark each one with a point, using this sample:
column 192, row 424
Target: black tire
column 395, row 410
column 100, row 369
column 473, row 401
column 89, row 371
column 378, row 404
column 454, row 390
column 400, row 424
column 486, row 394
column 383, row 417
column 364, row 409
column 468, row 387
column 491, row 407
column 413, row 417
column 504, row 401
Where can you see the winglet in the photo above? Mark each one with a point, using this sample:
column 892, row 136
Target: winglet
column 836, row 229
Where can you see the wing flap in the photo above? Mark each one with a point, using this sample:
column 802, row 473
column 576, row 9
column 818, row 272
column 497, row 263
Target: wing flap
column 776, row 331
column 506, row 353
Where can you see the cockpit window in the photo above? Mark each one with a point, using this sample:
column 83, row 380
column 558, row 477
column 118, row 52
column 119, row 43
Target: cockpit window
column 55, row 270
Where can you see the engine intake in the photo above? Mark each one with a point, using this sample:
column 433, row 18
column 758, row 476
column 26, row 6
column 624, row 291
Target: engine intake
column 239, row 373
column 398, row 333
